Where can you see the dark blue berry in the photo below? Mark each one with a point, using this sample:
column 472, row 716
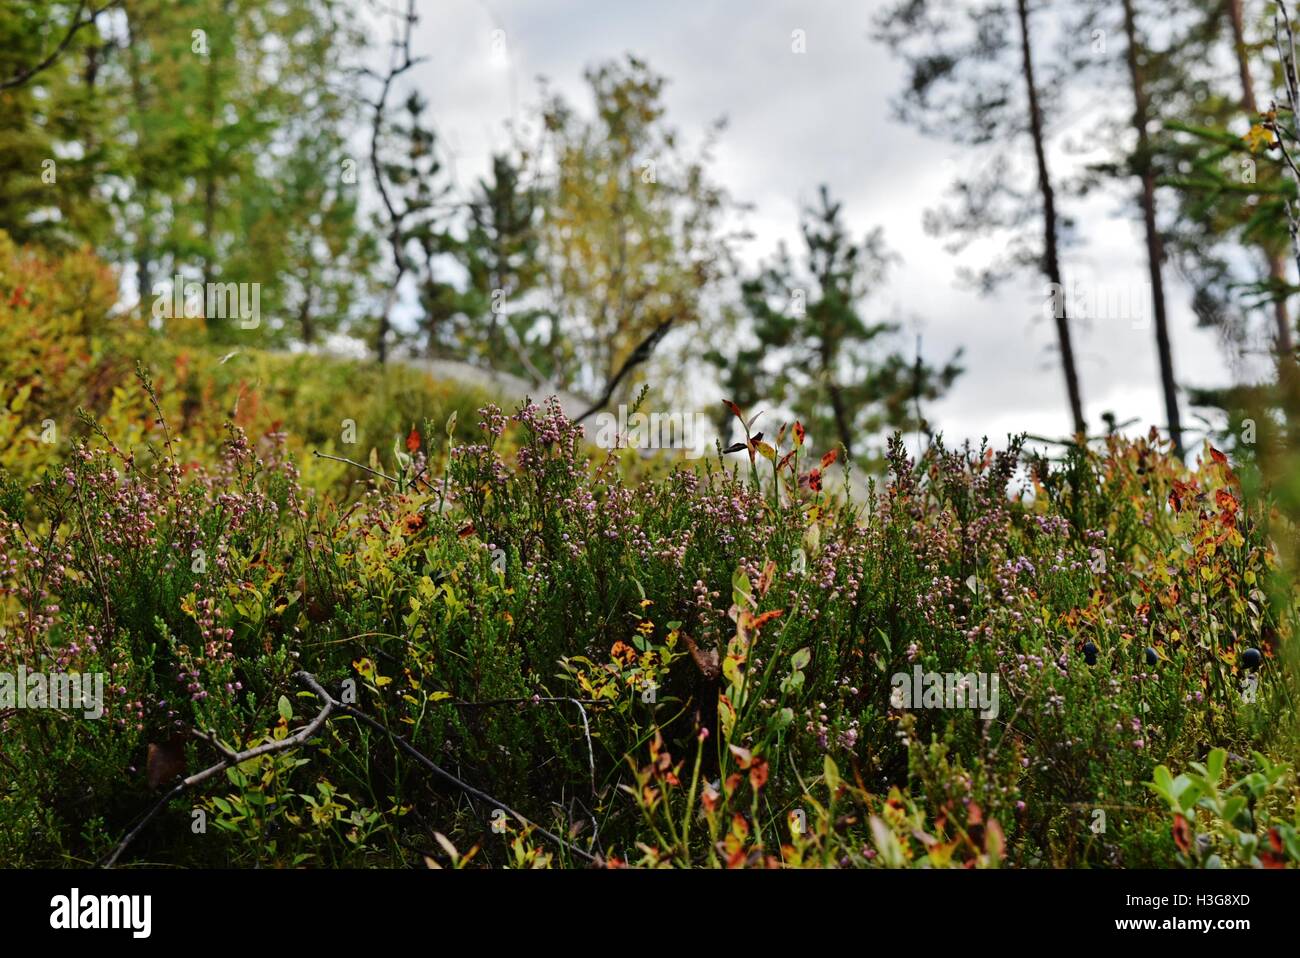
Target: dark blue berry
column 1251, row 659
column 1090, row 653
column 1152, row 658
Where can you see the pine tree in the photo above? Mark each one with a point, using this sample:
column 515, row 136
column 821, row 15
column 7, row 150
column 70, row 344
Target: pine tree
column 973, row 79
column 816, row 353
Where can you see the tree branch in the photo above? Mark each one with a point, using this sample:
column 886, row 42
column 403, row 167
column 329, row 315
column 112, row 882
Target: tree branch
column 639, row 355
column 23, row 76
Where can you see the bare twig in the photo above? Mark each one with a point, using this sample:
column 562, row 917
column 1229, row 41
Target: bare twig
column 396, row 236
column 373, row 472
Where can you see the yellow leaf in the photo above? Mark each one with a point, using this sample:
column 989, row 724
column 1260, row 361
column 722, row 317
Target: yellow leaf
column 1258, row 139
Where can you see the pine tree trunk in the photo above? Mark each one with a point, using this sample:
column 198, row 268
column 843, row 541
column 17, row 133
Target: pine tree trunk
column 1051, row 258
column 1155, row 245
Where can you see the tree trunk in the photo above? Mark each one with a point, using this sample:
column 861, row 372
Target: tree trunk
column 1284, row 344
column 841, row 418
column 144, row 185
column 1051, row 258
column 1155, row 245
column 209, row 174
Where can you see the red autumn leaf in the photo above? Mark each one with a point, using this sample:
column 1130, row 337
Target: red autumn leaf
column 467, row 530
column 1276, row 857
column 1275, row 839
column 784, row 459
column 1182, row 834
column 1218, row 456
column 765, row 618
column 830, row 457
column 735, row 410
column 813, row 480
column 1226, row 500
column 413, row 440
column 758, row 774
column 798, row 433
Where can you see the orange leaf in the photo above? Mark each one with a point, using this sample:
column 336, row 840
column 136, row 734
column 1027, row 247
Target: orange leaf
column 1218, row 456
column 735, row 410
column 798, row 433
column 413, row 440
column 830, row 457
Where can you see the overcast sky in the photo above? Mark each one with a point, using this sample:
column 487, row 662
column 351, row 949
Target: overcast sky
column 824, row 116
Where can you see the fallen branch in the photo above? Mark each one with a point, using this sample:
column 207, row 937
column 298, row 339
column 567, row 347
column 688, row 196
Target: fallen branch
column 230, row 759
column 332, row 705
column 309, row 680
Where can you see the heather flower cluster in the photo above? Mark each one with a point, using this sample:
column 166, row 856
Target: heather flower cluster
column 744, row 620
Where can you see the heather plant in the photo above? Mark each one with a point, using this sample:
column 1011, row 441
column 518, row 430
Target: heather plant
column 524, row 659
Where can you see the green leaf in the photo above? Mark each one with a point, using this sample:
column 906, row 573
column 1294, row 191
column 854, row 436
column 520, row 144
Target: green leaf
column 286, row 709
column 801, row 659
column 831, row 774
column 1162, row 782
column 1185, row 792
column 1234, row 807
column 1217, row 761
column 741, row 590
column 886, row 842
